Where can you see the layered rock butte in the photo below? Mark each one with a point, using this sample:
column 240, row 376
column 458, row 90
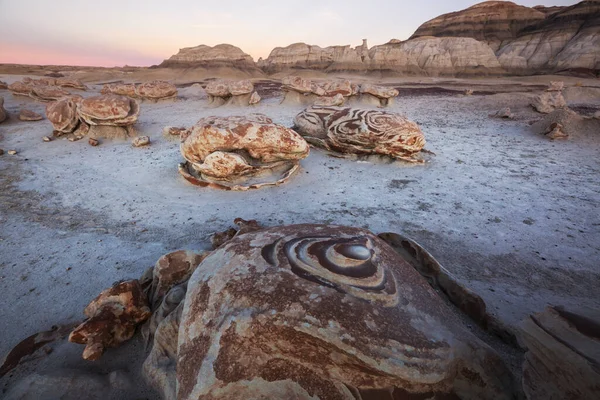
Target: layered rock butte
column 490, row 38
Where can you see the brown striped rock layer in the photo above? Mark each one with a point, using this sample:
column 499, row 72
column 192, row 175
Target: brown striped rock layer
column 324, row 312
column 360, row 131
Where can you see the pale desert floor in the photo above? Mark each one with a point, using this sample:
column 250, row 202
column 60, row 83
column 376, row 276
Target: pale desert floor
column 513, row 215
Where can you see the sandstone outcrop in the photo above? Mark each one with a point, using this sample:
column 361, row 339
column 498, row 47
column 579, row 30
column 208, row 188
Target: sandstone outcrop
column 62, row 114
column 121, row 89
column 528, row 40
column 219, row 56
column 240, row 152
column 70, row 83
column 491, row 22
column 421, row 56
column 358, row 131
column 547, row 102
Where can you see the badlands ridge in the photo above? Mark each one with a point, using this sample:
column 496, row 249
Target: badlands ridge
column 490, row 38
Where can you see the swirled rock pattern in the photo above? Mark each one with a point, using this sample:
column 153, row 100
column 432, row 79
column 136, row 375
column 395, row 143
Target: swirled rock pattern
column 317, row 311
column 112, row 318
column 238, row 147
column 563, row 355
column 358, row 131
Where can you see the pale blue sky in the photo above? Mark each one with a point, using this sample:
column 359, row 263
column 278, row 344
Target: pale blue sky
column 144, row 32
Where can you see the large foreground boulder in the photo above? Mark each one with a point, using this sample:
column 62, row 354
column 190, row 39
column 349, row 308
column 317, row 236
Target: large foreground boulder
column 240, row 152
column 360, row 131
column 3, row 113
column 315, row 312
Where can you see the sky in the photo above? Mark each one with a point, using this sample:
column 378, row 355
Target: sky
column 145, row 32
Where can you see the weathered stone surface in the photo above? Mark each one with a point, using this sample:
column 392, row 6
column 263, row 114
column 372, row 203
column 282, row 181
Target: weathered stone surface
column 504, row 113
column 93, row 142
column 343, row 87
column 237, row 88
column 112, row 318
column 222, row 55
column 556, row 132
column 156, row 90
column 173, row 130
column 548, row 101
column 304, row 56
column 28, row 115
column 20, row 88
column 218, row 88
column 62, row 114
column 254, row 98
column 140, row 141
column 3, row 85
column 436, row 56
column 70, row 83
column 302, row 85
column 47, row 93
column 109, row 109
column 122, row 89
column 328, row 101
column 563, row 354
column 383, row 92
column 3, row 113
column 231, row 148
column 317, row 311
column 358, row 131
column 555, row 86
column 493, row 22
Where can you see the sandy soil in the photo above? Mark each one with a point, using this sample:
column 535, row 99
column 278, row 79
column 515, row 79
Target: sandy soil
column 512, row 215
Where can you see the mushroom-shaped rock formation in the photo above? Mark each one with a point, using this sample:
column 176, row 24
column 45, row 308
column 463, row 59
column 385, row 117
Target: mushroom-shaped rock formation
column 3, row 113
column 122, row 89
column 112, row 318
column 47, row 93
column 70, row 83
column 359, row 131
column 316, row 312
column 156, row 90
column 239, row 93
column 563, row 354
column 28, row 115
column 380, row 96
column 549, row 101
column 240, row 152
column 298, row 90
column 109, row 115
column 343, row 87
column 62, row 114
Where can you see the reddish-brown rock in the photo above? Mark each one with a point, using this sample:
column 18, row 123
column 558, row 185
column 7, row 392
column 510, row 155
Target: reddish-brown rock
column 122, row 89
column 28, row 115
column 62, row 114
column 156, row 90
column 112, row 318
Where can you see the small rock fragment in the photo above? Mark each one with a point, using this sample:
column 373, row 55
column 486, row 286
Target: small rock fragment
column 46, row 138
column 503, row 113
column 469, row 92
column 28, row 115
column 112, row 318
column 140, row 141
column 1, row 152
column 173, row 130
column 93, row 142
column 556, row 132
column 255, row 98
column 12, row 152
column 75, row 138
